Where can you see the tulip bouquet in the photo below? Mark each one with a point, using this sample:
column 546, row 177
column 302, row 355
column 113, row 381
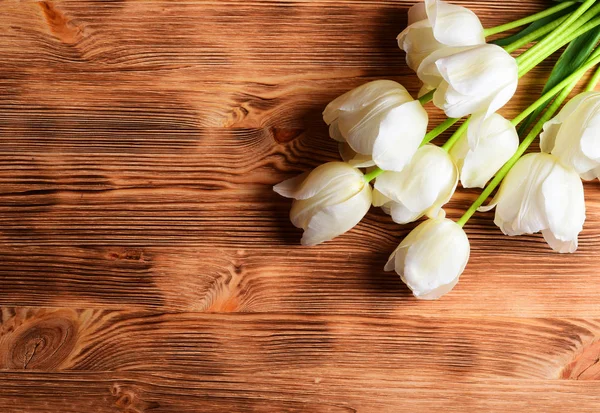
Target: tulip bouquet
column 389, row 162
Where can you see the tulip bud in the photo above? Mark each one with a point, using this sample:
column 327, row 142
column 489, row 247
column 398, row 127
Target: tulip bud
column 431, row 258
column 480, row 79
column 440, row 28
column 329, row 201
column 422, row 188
column 541, row 194
column 380, row 122
column 488, row 144
column 574, row 135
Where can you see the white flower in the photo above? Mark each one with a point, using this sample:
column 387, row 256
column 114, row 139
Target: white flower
column 488, row 144
column 574, row 135
column 379, row 121
column 480, row 79
column 541, row 194
column 329, row 201
column 436, row 29
column 422, row 188
column 431, row 258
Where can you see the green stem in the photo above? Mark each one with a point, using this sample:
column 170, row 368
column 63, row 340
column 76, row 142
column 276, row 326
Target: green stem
column 456, row 135
column 548, row 41
column 573, row 77
column 534, row 35
column 565, row 88
column 438, row 130
column 373, row 174
column 520, row 151
column 531, row 63
column 529, row 19
column 593, row 81
column 427, row 97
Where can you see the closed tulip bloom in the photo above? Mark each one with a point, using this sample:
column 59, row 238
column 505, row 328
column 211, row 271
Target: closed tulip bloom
column 437, row 29
column 328, row 201
column 488, row 144
column 431, row 258
column 480, row 79
column 380, row 122
column 422, row 188
column 574, row 135
column 539, row 193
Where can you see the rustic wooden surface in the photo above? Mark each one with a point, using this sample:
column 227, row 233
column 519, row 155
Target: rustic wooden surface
column 147, row 266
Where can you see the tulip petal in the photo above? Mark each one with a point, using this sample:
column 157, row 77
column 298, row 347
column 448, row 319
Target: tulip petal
column 438, row 241
column 423, row 186
column 363, row 96
column 334, row 132
column 401, row 214
column 357, row 160
column 520, row 203
column 379, row 199
column 560, row 246
column 418, row 41
column 564, row 208
column 336, row 219
column 289, row 187
column 492, row 143
column 590, row 140
column 400, row 133
column 478, row 69
column 479, row 79
column 502, row 96
column 454, row 25
column 307, row 185
column 553, row 126
column 428, row 71
column 362, row 128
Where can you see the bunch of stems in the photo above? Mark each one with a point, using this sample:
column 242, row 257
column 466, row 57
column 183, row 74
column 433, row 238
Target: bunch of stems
column 549, row 38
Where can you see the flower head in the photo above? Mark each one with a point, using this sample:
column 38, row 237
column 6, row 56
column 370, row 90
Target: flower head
column 380, row 122
column 421, row 188
column 480, row 79
column 328, row 201
column 574, row 135
column 488, row 144
column 436, row 29
column 431, row 258
column 539, row 193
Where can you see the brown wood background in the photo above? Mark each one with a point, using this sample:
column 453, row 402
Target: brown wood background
column 147, row 266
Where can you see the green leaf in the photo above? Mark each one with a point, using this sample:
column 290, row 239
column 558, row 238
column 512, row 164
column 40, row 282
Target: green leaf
column 572, row 58
column 505, row 41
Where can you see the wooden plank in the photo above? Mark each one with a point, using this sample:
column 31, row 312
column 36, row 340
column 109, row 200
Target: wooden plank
column 74, row 392
column 527, row 282
column 60, row 339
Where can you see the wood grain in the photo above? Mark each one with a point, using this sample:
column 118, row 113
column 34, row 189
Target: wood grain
column 147, row 266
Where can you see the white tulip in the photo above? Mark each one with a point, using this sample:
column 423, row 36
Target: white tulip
column 380, row 122
column 329, row 201
column 480, row 79
column 574, row 135
column 421, row 188
column 540, row 194
column 431, row 258
column 488, row 144
column 436, row 29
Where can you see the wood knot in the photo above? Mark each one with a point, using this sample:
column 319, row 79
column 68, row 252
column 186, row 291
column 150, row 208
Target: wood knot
column 283, row 135
column 43, row 341
column 129, row 400
column 586, row 366
column 128, row 255
column 59, row 24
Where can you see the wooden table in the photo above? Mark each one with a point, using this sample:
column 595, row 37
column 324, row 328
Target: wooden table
column 147, row 266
